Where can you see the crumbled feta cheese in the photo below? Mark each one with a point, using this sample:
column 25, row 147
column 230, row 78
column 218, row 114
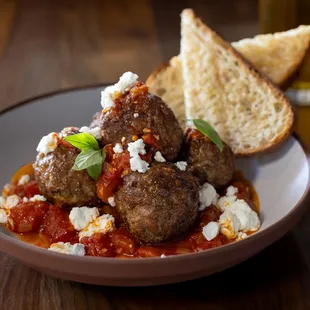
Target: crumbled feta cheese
column 106, row 100
column 25, row 199
column 225, row 202
column 229, row 224
column 136, row 148
column 3, row 216
column 2, row 202
column 68, row 248
column 159, row 157
column 67, row 131
column 136, row 115
column 181, row 165
column 24, row 179
column 248, row 218
column 81, row 217
column 163, row 255
column 137, row 164
column 84, row 129
column 37, row 198
column 231, row 191
column 11, row 201
column 111, row 201
column 211, row 230
column 118, row 148
column 242, row 236
column 207, row 196
column 48, row 143
column 127, row 80
column 95, row 132
column 102, row 224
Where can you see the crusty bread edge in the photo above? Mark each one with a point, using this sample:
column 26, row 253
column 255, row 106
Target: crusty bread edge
column 154, row 74
column 259, row 75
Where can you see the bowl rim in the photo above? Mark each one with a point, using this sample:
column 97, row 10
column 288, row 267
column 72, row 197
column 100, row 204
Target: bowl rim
column 299, row 206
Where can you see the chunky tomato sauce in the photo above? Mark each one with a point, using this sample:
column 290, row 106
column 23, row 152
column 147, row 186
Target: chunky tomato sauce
column 42, row 223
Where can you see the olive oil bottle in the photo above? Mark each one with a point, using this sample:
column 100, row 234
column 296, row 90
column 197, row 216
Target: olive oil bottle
column 281, row 15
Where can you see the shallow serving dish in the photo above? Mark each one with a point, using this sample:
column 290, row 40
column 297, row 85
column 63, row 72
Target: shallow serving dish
column 282, row 180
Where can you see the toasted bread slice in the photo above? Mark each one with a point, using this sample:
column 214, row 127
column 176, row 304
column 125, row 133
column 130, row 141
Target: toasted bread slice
column 220, row 86
column 277, row 55
column 167, row 83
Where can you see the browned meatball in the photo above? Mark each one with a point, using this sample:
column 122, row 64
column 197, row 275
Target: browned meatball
column 206, row 161
column 159, row 205
column 138, row 113
column 59, row 183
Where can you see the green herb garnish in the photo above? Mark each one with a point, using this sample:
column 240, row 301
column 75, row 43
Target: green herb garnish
column 91, row 156
column 206, row 129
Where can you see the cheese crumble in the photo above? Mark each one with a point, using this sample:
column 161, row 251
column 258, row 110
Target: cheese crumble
column 103, row 224
column 159, row 157
column 211, row 230
column 80, row 217
column 95, row 132
column 24, row 179
column 118, row 148
column 181, row 165
column 68, row 248
column 127, row 80
column 48, row 143
column 111, row 201
column 207, row 196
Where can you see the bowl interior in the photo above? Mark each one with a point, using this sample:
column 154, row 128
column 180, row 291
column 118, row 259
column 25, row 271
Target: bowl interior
column 280, row 178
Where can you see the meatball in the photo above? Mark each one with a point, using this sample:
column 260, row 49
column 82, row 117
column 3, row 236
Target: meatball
column 138, row 113
column 205, row 160
column 159, row 205
column 59, row 183
column 95, row 120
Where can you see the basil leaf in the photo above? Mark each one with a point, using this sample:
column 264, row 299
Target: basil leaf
column 83, row 141
column 206, row 129
column 88, row 158
column 94, row 171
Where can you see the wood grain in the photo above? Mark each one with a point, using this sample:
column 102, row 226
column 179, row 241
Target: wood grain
column 48, row 45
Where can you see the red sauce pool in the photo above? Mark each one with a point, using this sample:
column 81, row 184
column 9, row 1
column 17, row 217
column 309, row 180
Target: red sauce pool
column 42, row 224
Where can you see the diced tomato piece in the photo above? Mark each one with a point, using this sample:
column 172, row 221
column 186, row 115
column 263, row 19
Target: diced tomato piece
column 198, row 242
column 99, row 245
column 210, row 214
column 193, row 134
column 147, row 157
column 243, row 191
column 28, row 190
column 28, row 216
column 123, row 241
column 151, row 140
column 57, row 226
column 111, row 177
column 106, row 189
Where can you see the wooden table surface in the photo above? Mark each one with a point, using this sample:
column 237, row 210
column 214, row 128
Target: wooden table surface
column 50, row 45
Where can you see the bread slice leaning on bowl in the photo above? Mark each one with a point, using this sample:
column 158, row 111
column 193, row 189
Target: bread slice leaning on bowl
column 277, row 55
column 248, row 111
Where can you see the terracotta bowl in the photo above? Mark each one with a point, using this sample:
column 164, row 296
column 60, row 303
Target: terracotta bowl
column 281, row 179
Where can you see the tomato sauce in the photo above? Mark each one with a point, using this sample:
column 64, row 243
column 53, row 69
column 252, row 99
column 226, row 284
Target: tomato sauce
column 41, row 223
